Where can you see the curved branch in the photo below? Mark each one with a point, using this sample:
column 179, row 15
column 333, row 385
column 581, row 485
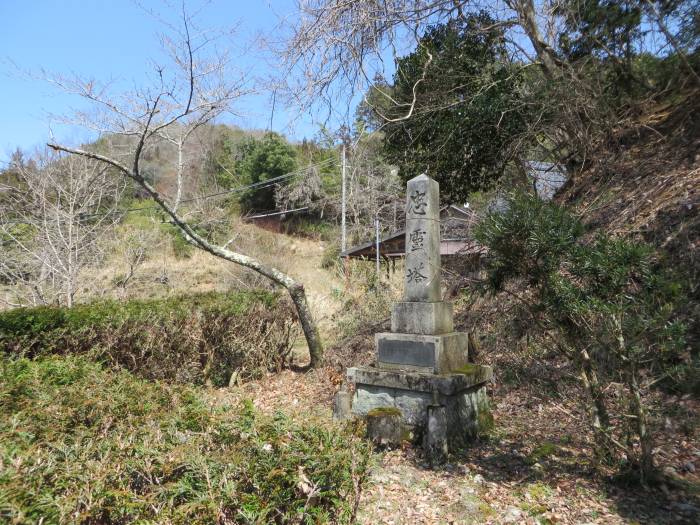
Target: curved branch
column 295, row 289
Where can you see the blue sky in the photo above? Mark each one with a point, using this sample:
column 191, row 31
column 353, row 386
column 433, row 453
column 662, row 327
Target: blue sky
column 107, row 39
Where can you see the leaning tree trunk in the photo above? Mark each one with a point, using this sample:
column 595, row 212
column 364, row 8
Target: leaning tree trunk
column 295, row 289
column 647, row 470
column 599, row 411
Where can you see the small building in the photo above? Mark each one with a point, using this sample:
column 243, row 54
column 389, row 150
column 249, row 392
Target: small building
column 456, row 223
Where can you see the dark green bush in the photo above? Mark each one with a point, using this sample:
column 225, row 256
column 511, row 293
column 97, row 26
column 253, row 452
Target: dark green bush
column 81, row 444
column 181, row 248
column 311, row 227
column 607, row 304
column 195, row 338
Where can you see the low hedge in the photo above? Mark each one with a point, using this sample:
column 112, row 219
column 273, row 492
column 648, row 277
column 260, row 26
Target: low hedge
column 83, row 445
column 196, row 338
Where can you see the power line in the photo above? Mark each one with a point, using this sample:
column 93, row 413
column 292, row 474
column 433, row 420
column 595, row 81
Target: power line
column 275, row 213
column 254, row 186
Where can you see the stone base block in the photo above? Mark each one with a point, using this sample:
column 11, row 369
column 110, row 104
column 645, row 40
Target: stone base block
column 435, row 436
column 462, row 395
column 385, row 426
column 342, row 405
column 422, row 318
column 440, row 354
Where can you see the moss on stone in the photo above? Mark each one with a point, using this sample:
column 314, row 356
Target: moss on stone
column 384, row 411
column 468, row 369
column 407, row 434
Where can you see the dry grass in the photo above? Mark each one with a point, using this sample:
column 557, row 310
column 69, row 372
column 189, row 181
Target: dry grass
column 163, row 274
column 645, row 183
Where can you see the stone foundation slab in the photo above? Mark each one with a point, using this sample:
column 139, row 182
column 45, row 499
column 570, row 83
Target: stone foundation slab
column 462, row 395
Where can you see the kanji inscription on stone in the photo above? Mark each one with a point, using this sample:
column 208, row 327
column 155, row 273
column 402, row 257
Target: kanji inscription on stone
column 422, row 280
column 417, row 238
column 417, row 203
column 415, row 275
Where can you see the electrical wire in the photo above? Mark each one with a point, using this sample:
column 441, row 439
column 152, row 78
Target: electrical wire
column 254, row 186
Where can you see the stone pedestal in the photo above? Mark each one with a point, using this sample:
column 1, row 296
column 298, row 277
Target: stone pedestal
column 422, row 363
column 462, row 394
column 422, row 318
column 439, row 354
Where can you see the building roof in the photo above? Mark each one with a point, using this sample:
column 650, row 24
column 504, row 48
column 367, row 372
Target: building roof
column 456, row 222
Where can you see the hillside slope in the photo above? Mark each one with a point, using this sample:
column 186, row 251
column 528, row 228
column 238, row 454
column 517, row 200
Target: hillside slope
column 645, row 182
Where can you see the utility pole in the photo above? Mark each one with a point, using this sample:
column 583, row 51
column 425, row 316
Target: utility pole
column 342, row 218
column 376, row 227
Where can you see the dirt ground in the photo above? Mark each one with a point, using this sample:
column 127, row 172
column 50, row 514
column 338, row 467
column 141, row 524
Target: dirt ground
column 534, row 468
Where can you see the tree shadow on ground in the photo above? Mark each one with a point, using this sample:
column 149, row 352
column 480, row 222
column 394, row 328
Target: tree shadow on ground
column 538, row 442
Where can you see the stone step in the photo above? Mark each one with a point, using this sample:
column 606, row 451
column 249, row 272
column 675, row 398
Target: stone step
column 444, row 384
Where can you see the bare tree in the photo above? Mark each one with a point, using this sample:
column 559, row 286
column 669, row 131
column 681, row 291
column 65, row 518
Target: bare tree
column 337, row 49
column 190, row 92
column 52, row 216
column 373, row 188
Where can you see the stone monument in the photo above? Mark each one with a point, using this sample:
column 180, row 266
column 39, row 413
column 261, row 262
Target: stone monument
column 423, row 363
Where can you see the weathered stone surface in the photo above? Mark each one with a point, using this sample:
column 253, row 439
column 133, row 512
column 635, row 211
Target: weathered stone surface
column 422, row 278
column 431, row 318
column 473, row 412
column 435, row 436
column 385, row 426
column 411, row 404
column 444, row 384
column 467, row 411
column 342, row 405
column 440, row 354
column 422, row 198
column 395, row 352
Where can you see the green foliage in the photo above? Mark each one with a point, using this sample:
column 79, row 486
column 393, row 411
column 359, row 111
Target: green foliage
column 233, row 147
column 583, row 284
column 315, row 152
column 467, row 108
column 266, row 159
column 21, row 231
column 81, row 444
column 607, row 40
column 604, row 297
column 531, row 239
column 195, row 338
column 602, row 28
column 331, row 256
column 311, row 227
column 181, row 248
column 542, row 451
